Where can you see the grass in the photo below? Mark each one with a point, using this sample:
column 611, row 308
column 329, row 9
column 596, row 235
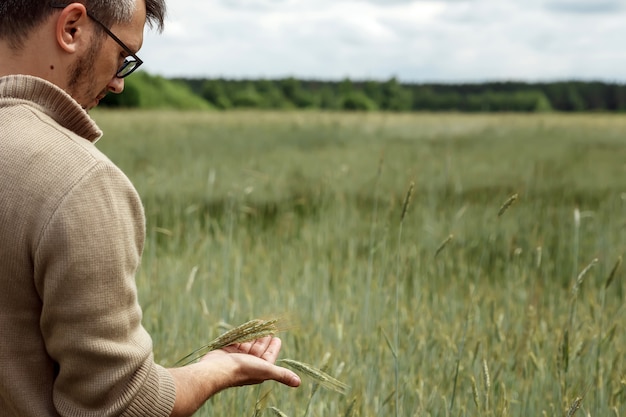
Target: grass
column 297, row 216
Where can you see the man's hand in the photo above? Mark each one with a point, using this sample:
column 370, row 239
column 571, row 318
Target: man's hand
column 233, row 366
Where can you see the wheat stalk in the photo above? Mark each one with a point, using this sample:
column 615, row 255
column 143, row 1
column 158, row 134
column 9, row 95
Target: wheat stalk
column 574, row 407
column 505, row 401
column 191, row 279
column 405, row 207
column 319, row 376
column 251, row 330
column 350, row 411
column 609, row 280
column 260, row 404
column 581, row 276
column 538, row 256
column 486, row 377
column 563, row 357
column 458, row 363
column 475, row 394
column 572, row 312
column 407, row 200
column 487, row 383
column 443, row 245
column 507, row 204
column 277, row 412
column 372, row 246
column 314, row 389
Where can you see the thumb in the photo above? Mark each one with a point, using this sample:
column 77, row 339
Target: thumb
column 287, row 377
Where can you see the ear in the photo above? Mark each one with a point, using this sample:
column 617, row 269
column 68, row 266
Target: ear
column 71, row 28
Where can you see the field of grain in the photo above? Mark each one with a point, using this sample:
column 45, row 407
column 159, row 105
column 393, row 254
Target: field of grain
column 496, row 289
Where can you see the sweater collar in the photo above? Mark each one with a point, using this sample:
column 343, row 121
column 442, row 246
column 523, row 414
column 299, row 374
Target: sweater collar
column 51, row 100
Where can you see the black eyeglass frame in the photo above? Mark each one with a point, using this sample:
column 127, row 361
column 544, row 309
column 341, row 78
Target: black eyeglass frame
column 127, row 62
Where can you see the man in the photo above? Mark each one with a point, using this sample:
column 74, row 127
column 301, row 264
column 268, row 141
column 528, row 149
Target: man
column 72, row 229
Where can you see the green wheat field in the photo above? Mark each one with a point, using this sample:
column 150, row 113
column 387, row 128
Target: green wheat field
column 437, row 264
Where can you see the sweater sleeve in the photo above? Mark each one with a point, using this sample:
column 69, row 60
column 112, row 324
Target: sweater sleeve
column 85, row 264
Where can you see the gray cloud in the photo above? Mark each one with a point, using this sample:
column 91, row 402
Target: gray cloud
column 585, row 6
column 439, row 40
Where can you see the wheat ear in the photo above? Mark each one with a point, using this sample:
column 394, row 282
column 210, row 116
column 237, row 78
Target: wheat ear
column 277, row 412
column 251, row 330
column 407, row 201
column 508, row 203
column 443, row 245
column 319, row 376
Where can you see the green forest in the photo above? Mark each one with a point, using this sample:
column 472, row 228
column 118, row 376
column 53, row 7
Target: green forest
column 144, row 90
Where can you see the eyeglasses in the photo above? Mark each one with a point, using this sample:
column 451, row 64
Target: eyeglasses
column 129, row 65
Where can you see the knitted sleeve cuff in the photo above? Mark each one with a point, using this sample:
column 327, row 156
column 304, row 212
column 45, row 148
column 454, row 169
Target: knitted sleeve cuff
column 157, row 394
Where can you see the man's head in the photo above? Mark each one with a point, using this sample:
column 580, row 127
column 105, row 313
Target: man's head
column 81, row 46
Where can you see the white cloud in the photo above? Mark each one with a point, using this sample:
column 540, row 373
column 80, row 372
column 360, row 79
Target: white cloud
column 438, row 40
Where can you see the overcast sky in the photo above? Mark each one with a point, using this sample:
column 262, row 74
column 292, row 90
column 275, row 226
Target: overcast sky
column 416, row 41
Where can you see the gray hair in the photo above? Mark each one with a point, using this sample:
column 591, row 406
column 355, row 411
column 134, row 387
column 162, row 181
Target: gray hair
column 19, row 17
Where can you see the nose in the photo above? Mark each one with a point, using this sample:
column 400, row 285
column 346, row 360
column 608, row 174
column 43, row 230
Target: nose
column 116, row 85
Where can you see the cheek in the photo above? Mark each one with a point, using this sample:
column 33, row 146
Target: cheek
column 109, row 60
column 104, row 75
column 110, row 69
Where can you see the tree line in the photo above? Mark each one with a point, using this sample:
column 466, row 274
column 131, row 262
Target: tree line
column 144, row 90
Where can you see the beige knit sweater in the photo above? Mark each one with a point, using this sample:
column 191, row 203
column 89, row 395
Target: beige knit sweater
column 71, row 236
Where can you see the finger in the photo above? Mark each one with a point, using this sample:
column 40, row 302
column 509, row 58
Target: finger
column 273, row 349
column 287, row 377
column 236, row 346
column 264, row 371
column 259, row 346
column 244, row 347
column 256, row 347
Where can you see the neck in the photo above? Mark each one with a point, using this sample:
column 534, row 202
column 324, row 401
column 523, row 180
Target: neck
column 37, row 57
column 9, row 60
